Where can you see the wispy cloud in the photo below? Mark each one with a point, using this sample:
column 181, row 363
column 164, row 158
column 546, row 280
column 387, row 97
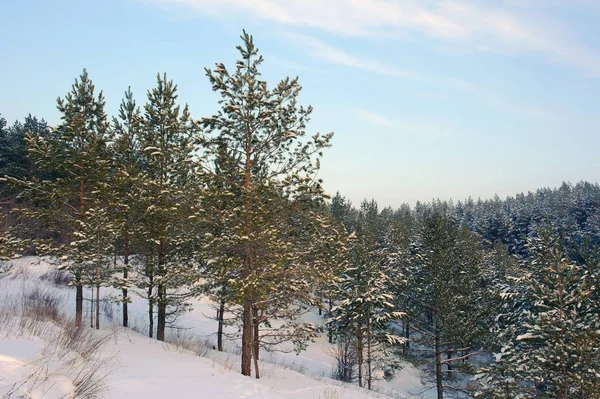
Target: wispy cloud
column 411, row 127
column 492, row 96
column 373, row 118
column 334, row 55
column 338, row 56
column 285, row 63
column 505, row 27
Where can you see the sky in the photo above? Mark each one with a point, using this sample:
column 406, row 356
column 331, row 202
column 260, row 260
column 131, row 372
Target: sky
column 428, row 99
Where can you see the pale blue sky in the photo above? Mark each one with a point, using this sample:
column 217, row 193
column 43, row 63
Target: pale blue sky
column 427, row 98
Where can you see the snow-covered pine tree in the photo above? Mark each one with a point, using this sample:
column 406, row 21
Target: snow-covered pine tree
column 366, row 306
column 167, row 196
column 66, row 204
column 449, row 264
column 94, row 244
column 3, row 127
column 269, row 235
column 13, row 148
column 222, row 193
column 551, row 332
column 125, row 182
column 495, row 306
column 343, row 212
column 343, row 215
column 397, row 239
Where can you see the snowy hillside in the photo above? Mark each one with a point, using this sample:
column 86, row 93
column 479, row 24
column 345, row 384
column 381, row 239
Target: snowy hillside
column 35, row 360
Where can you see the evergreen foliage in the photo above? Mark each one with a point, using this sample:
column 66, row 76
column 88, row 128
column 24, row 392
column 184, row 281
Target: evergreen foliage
column 165, row 195
column 448, row 293
column 366, row 306
column 267, row 234
column 550, row 332
column 71, row 205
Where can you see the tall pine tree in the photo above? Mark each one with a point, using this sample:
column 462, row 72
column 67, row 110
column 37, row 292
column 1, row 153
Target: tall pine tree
column 69, row 206
column 167, row 197
column 269, row 234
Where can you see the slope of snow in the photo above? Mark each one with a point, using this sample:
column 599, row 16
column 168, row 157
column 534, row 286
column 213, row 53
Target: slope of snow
column 21, row 358
column 145, row 368
column 148, row 369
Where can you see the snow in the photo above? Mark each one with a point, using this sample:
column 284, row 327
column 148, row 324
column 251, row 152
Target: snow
column 140, row 367
column 525, row 336
column 19, row 358
column 148, row 369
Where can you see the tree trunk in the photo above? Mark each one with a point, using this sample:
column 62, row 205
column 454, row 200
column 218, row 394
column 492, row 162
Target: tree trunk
column 438, row 359
column 97, row 306
column 247, row 328
column 256, row 341
column 359, row 354
column 79, row 289
column 98, row 299
column 220, row 319
column 161, row 314
column 247, row 331
column 407, row 331
column 255, row 349
column 369, row 370
column 406, row 334
column 91, row 306
column 125, row 310
column 78, row 300
column 449, row 365
column 125, row 272
column 150, row 313
column 330, row 332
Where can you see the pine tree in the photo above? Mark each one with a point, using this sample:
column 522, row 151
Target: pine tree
column 167, row 198
column 268, row 237
column 342, row 212
column 220, row 272
column 14, row 161
column 551, row 333
column 125, row 181
column 366, row 306
column 3, row 144
column 70, row 206
column 449, row 261
column 398, row 238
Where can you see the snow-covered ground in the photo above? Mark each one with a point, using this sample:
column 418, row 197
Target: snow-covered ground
column 139, row 367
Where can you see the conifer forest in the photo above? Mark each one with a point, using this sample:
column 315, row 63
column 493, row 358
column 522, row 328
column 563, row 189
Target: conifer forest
column 160, row 209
